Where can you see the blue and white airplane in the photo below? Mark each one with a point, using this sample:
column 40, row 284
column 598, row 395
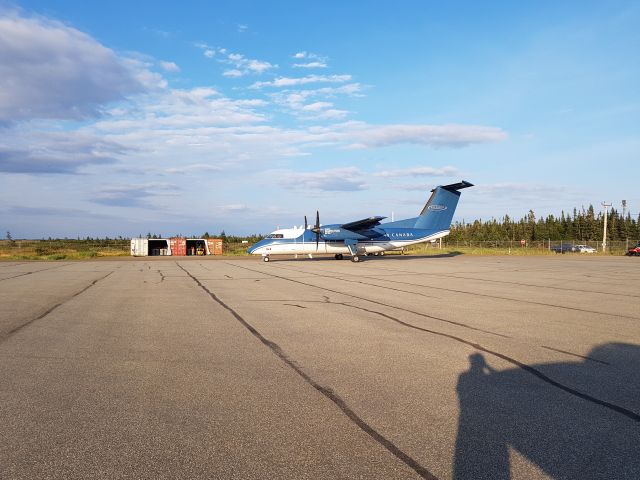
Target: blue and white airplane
column 368, row 235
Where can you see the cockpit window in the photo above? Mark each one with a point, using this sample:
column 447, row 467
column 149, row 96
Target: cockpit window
column 275, row 235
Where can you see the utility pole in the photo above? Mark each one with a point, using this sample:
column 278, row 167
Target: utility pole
column 604, row 234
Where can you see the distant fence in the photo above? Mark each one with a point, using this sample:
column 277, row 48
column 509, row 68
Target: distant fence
column 614, row 247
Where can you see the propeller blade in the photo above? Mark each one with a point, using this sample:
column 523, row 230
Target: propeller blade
column 306, row 225
column 317, row 229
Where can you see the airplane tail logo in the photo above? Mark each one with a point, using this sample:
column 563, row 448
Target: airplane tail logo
column 437, row 207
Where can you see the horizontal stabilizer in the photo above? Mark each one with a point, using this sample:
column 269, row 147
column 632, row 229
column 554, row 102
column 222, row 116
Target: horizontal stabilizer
column 456, row 186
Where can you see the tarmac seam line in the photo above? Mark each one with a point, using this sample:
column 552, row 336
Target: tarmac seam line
column 533, row 285
column 420, row 314
column 611, row 406
column 325, row 391
column 30, row 273
column 48, row 311
column 616, row 408
column 464, row 292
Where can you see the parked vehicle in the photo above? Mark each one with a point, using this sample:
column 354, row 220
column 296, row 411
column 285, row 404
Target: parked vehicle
column 564, row 248
column 634, row 250
column 585, row 249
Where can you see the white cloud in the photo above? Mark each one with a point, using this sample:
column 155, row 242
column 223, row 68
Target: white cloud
column 310, row 65
column 50, row 70
column 258, row 66
column 419, row 172
column 232, row 208
column 309, row 56
column 316, row 106
column 521, row 191
column 169, row 67
column 292, row 82
column 330, row 114
column 132, row 195
column 367, row 136
column 242, row 28
column 207, row 50
column 243, row 65
column 39, row 153
column 234, row 73
column 296, row 99
column 333, row 180
column 195, row 168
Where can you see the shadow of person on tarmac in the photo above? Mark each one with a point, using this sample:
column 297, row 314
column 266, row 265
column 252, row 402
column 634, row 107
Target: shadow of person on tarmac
column 563, row 435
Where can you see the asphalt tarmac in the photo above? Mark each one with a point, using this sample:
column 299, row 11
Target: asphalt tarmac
column 397, row 367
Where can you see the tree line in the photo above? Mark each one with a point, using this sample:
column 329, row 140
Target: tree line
column 584, row 225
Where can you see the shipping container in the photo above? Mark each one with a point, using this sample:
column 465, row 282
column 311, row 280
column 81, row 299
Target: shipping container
column 178, row 246
column 139, row 247
column 215, row 246
column 197, row 246
column 142, row 247
column 158, row 246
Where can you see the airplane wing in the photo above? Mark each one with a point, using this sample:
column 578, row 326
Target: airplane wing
column 364, row 224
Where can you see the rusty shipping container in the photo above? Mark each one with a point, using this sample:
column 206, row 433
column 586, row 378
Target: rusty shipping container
column 178, row 246
column 215, row 246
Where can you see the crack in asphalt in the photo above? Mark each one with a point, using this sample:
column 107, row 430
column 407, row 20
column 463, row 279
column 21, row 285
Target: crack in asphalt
column 14, row 330
column 35, row 271
column 420, row 314
column 577, row 393
column 326, row 391
column 486, row 295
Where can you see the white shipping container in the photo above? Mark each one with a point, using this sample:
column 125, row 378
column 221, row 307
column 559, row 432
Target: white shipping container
column 139, row 247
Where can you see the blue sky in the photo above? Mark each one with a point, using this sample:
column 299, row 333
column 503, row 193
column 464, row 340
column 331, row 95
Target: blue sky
column 119, row 118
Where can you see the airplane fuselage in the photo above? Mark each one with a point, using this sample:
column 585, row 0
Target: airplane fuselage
column 299, row 241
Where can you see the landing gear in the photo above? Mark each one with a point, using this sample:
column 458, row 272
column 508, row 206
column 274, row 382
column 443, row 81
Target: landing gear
column 352, row 245
column 381, row 254
column 265, row 258
column 339, row 256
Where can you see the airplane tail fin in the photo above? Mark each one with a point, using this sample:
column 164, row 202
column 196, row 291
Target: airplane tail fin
column 438, row 212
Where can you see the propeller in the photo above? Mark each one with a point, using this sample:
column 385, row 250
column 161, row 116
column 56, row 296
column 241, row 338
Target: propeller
column 316, row 229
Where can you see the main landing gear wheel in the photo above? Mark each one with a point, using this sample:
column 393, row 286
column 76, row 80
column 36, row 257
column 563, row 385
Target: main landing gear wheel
column 355, row 258
column 339, row 256
column 265, row 258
